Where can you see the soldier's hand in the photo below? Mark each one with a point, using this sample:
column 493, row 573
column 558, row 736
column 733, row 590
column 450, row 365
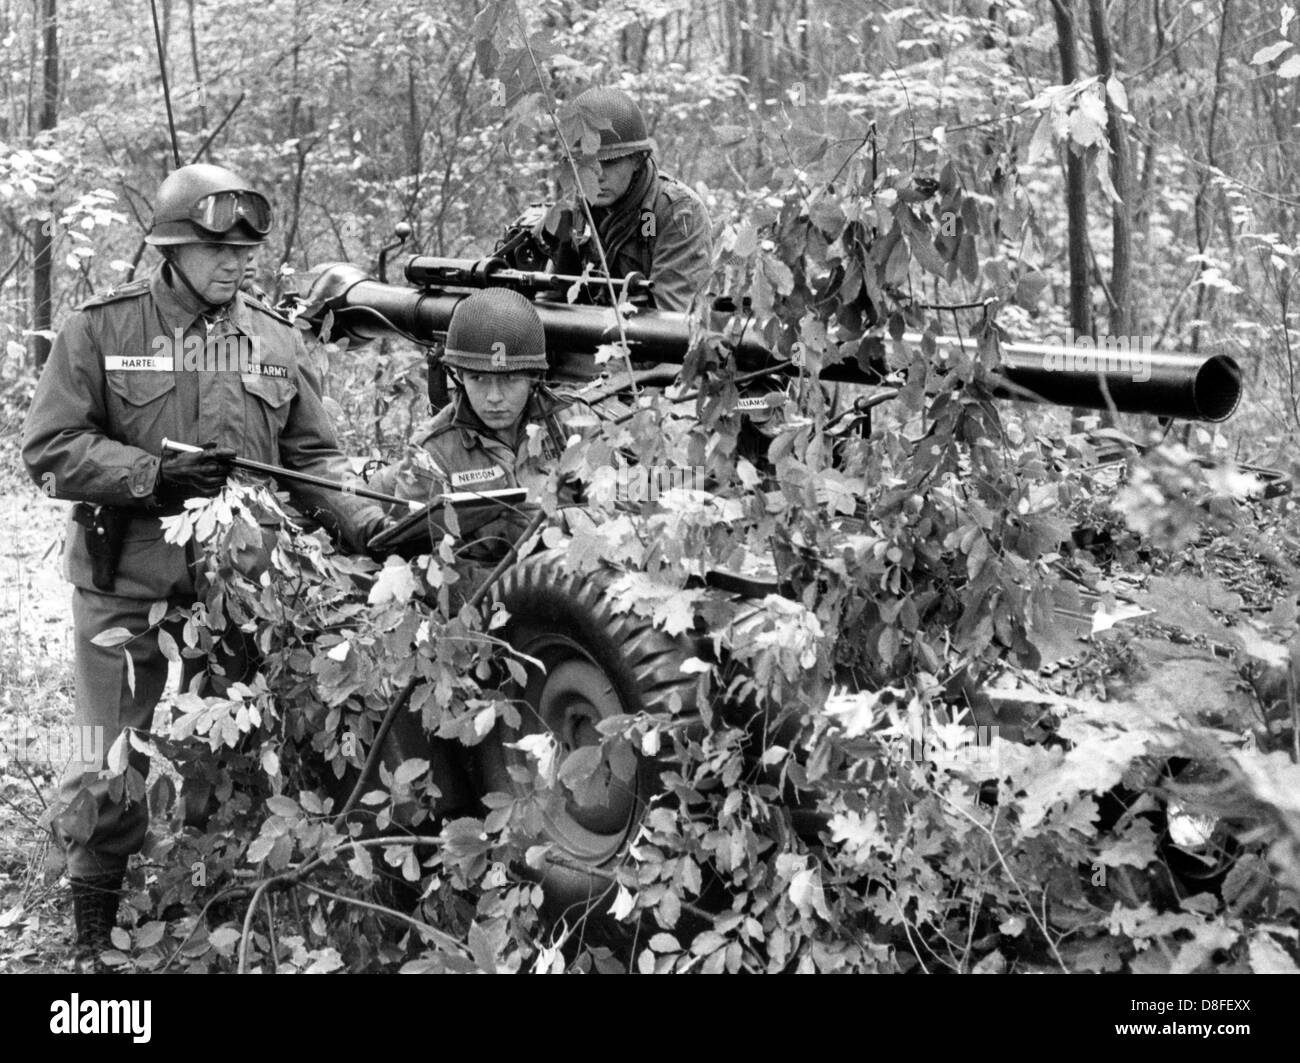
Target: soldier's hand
column 194, row 474
column 374, row 529
column 532, row 218
column 552, row 226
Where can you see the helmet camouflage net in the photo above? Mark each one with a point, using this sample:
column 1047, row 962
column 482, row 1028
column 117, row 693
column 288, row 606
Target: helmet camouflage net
column 626, row 133
column 496, row 331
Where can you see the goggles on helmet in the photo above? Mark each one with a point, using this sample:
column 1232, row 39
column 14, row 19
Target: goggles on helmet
column 222, row 211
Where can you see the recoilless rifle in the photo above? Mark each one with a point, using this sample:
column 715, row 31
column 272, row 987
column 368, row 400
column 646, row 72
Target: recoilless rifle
column 597, row 664
column 1200, row 387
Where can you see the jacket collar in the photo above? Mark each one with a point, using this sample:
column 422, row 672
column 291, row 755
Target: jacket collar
column 179, row 308
column 473, row 432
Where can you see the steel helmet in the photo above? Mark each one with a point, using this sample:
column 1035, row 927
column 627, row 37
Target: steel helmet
column 496, row 331
column 205, row 204
column 623, row 129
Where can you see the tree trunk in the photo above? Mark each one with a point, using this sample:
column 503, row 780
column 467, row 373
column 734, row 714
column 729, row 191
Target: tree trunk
column 764, row 12
column 1142, row 216
column 802, row 49
column 745, row 32
column 1202, row 210
column 298, row 129
column 414, row 138
column 198, row 72
column 1121, row 311
column 42, row 231
column 1121, row 317
column 1076, row 197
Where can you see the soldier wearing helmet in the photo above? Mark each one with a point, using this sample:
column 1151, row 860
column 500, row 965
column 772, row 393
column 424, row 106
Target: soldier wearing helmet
column 501, row 430
column 181, row 354
column 648, row 222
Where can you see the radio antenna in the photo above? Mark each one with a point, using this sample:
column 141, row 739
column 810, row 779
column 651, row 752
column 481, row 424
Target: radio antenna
column 167, row 95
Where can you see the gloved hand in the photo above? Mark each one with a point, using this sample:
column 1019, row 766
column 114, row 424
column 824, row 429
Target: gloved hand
column 532, row 217
column 189, row 474
column 552, row 227
column 377, row 527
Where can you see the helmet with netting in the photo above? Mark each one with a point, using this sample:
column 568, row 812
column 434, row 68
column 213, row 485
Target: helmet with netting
column 206, row 204
column 496, row 331
column 623, row 125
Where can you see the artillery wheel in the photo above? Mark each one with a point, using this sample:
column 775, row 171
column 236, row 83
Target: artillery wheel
column 597, row 664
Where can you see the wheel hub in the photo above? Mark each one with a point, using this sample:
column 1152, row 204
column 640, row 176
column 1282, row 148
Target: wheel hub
column 575, row 697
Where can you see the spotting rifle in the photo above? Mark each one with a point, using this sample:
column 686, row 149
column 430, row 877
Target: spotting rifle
column 1200, row 387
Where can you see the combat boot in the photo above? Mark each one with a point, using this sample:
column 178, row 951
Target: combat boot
column 94, row 911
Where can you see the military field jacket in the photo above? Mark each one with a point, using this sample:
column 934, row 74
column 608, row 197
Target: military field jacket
column 138, row 365
column 464, row 455
column 676, row 251
column 673, row 245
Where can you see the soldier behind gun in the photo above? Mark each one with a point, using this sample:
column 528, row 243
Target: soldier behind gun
column 648, row 222
column 496, row 351
column 182, row 354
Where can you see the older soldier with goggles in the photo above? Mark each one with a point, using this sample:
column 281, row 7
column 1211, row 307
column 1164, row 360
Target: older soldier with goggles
column 109, row 394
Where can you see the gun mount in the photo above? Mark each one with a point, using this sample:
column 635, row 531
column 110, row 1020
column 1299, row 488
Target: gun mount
column 633, row 667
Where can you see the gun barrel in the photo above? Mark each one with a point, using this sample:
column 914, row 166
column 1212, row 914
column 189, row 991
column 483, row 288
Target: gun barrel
column 1131, row 379
column 1188, row 386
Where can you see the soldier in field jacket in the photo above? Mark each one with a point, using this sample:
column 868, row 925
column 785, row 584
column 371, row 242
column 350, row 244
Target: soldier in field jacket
column 502, row 429
column 182, row 355
column 648, row 222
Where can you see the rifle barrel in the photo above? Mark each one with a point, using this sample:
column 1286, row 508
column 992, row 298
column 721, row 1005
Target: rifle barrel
column 279, row 472
column 427, row 271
